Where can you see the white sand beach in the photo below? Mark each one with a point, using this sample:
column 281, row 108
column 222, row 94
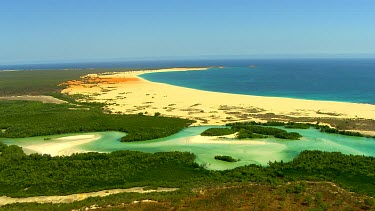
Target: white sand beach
column 126, row 92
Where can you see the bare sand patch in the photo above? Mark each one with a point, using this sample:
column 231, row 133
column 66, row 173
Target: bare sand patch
column 77, row 137
column 41, row 98
column 135, row 95
column 4, row 200
column 63, row 146
column 223, row 140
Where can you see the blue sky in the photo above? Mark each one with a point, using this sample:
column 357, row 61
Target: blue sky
column 75, row 30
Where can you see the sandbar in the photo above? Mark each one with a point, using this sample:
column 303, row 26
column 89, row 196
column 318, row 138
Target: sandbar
column 227, row 139
column 63, row 146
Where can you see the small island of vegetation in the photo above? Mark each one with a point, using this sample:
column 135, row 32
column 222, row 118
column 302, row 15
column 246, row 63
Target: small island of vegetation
column 295, row 125
column 218, row 132
column 225, row 158
column 249, row 130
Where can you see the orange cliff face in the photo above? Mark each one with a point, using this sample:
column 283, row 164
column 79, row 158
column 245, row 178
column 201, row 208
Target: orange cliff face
column 114, row 80
column 93, row 80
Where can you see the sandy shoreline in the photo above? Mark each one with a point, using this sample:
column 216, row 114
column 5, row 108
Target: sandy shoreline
column 126, row 92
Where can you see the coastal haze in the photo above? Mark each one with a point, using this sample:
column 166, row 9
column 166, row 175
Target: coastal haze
column 203, row 105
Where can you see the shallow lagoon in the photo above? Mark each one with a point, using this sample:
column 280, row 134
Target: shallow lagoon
column 248, row 151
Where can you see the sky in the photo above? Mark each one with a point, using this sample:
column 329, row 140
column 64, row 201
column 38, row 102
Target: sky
column 97, row 30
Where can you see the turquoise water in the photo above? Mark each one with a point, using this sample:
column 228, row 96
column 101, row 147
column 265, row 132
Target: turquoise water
column 350, row 80
column 249, row 152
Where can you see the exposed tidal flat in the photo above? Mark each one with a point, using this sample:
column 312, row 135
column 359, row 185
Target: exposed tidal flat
column 252, row 151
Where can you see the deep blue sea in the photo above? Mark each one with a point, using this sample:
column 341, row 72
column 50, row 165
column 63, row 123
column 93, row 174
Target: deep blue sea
column 345, row 80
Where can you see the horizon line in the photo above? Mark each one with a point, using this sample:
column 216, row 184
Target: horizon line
column 191, row 58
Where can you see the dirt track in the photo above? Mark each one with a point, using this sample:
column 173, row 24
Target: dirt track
column 41, row 98
column 4, row 200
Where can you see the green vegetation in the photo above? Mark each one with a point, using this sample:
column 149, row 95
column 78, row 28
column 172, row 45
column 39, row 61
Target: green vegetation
column 24, row 175
column 294, row 125
column 247, row 130
column 225, row 158
column 327, row 129
column 286, row 125
column 244, row 133
column 25, row 119
column 217, row 132
column 295, row 195
column 359, row 124
column 29, row 175
column 41, row 82
column 252, row 130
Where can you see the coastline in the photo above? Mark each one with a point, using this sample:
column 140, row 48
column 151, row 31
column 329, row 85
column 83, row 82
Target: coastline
column 127, row 92
column 174, row 69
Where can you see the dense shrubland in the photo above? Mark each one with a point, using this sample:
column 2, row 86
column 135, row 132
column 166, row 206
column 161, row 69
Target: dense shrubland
column 28, row 175
column 278, row 133
column 250, row 130
column 217, row 132
column 294, row 125
column 25, row 119
column 25, row 175
column 225, row 158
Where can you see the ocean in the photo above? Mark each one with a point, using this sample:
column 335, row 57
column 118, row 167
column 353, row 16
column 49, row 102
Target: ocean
column 344, row 80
